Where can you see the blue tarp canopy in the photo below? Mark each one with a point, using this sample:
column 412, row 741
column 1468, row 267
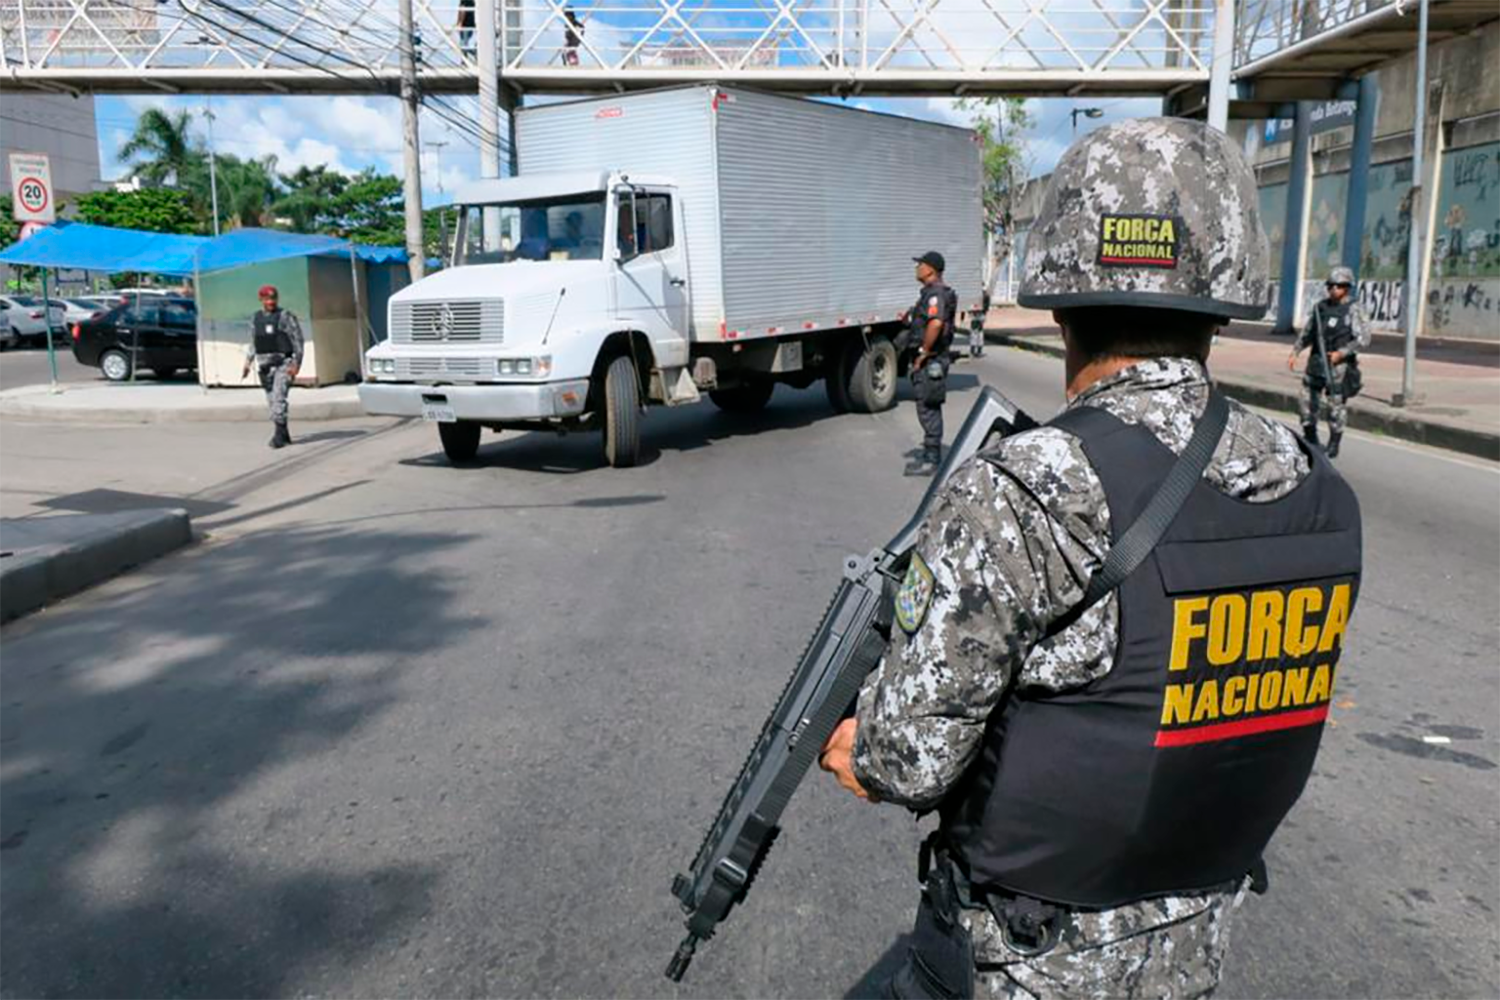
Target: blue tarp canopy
column 103, row 248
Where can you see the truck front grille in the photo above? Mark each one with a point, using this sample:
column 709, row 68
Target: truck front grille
column 472, row 321
column 444, row 368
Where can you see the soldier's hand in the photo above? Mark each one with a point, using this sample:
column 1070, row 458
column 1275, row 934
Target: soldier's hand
column 245, row 371
column 1291, row 362
column 838, row 759
column 1336, row 357
column 291, row 372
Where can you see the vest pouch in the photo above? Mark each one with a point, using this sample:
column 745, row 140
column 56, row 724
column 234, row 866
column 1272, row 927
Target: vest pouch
column 1354, row 380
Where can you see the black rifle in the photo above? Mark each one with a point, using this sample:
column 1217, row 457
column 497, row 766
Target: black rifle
column 821, row 692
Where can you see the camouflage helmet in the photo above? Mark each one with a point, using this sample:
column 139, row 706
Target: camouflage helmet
column 1341, row 276
column 1158, row 212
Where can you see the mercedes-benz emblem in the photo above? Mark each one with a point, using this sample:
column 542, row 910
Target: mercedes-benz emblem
column 442, row 322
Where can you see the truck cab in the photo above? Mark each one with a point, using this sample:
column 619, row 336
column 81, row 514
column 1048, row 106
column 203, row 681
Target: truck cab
column 565, row 306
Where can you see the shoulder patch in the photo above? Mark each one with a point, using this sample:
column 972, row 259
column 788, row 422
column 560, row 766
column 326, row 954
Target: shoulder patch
column 915, row 595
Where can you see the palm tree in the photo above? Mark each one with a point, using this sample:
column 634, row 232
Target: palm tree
column 164, row 142
column 247, row 189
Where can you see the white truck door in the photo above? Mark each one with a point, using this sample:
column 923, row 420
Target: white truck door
column 651, row 290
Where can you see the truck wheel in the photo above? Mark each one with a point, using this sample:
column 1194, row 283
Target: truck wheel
column 460, row 441
column 872, row 383
column 115, row 365
column 622, row 414
column 751, row 397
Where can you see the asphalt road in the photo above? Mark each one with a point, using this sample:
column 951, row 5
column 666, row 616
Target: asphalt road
column 401, row 729
column 28, row 366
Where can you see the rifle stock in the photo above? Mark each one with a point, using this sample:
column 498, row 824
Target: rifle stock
column 848, row 644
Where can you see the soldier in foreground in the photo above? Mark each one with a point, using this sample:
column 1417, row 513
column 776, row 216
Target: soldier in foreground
column 275, row 349
column 1336, row 332
column 1075, row 707
column 930, row 334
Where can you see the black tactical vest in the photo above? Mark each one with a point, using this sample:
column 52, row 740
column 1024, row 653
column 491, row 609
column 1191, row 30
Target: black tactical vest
column 1171, row 773
column 918, row 318
column 1336, row 323
column 270, row 338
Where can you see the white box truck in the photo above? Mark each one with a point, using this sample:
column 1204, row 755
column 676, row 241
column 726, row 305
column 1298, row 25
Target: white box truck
column 663, row 244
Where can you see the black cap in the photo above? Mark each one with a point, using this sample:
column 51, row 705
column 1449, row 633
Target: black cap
column 932, row 259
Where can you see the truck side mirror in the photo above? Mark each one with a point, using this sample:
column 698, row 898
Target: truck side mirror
column 615, row 254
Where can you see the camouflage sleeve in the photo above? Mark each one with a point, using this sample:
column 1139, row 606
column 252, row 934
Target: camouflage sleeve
column 967, row 615
column 1309, row 332
column 293, row 331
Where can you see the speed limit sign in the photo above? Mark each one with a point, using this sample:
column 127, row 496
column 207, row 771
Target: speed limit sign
column 31, row 188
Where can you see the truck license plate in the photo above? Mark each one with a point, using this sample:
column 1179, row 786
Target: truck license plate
column 439, row 412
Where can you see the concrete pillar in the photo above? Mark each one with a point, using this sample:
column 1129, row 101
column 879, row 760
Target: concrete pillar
column 1359, row 173
column 1223, row 56
column 1298, row 202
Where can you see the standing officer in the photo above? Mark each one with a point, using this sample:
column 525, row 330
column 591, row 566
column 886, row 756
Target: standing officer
column 276, row 349
column 1117, row 636
column 1336, row 332
column 930, row 332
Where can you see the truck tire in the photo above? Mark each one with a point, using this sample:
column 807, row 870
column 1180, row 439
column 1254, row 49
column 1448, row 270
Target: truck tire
column 873, row 378
column 751, row 397
column 622, row 413
column 460, row 441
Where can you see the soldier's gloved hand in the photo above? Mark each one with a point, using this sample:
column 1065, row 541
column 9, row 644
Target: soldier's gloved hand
column 838, row 759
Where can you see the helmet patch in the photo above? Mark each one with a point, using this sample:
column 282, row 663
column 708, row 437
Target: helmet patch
column 1138, row 240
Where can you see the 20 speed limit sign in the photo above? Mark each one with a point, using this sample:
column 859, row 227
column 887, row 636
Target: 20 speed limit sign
column 31, row 188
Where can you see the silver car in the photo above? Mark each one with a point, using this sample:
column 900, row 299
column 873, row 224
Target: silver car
column 27, row 320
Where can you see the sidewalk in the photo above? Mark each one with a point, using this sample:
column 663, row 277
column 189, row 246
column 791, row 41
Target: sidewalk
column 1458, row 383
column 151, row 403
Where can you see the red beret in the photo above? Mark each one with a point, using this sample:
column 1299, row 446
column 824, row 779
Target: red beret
column 267, row 290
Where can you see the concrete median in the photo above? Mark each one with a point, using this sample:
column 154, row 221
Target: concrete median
column 44, row 559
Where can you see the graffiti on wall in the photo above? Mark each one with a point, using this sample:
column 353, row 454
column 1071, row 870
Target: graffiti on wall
column 1465, row 283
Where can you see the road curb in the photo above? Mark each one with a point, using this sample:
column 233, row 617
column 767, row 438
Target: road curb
column 1397, row 425
column 50, row 411
column 105, row 546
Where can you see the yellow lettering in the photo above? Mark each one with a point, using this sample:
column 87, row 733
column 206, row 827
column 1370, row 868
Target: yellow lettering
column 1137, row 229
column 1185, row 629
column 1234, row 695
column 1109, row 228
column 1294, row 688
column 1336, row 620
column 1250, row 694
column 1299, row 639
column 1150, row 229
column 1208, row 702
column 1265, row 624
column 1270, row 690
column 1226, row 629
column 1168, row 232
column 1322, row 685
column 1177, row 706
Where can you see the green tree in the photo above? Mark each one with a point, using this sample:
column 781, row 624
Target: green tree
column 370, row 210
column 308, row 197
column 1001, row 123
column 162, row 148
column 157, row 210
column 247, row 190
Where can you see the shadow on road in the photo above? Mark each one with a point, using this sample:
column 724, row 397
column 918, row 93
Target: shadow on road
column 686, row 428
column 142, row 734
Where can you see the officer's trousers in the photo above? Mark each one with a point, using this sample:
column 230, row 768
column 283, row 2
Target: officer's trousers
column 930, row 387
column 276, row 380
column 1325, row 400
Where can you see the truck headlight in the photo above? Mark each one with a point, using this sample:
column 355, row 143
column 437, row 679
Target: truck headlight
column 525, row 367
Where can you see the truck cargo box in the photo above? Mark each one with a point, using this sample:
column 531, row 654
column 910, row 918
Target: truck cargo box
column 800, row 215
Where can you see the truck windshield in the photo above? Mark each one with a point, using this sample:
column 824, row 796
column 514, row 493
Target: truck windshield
column 570, row 227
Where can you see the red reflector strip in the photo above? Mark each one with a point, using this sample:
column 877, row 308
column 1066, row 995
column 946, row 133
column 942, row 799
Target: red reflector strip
column 1242, row 727
column 773, row 329
column 809, row 326
column 733, row 334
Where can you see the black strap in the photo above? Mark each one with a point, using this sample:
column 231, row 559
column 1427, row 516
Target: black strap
column 1141, row 537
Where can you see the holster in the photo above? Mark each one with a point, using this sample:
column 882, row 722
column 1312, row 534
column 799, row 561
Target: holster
column 930, row 382
column 940, row 958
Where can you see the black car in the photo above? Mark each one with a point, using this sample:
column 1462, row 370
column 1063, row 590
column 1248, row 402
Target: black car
column 160, row 333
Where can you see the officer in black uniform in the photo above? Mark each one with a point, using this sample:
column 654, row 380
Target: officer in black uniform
column 930, row 334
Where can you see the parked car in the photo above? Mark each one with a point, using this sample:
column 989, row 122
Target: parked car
column 8, row 336
column 77, row 309
column 27, row 320
column 158, row 333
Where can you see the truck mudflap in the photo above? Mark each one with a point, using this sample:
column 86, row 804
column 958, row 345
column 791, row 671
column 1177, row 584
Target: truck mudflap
column 480, row 403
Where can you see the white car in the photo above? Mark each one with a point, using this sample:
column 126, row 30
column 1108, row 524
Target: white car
column 8, row 338
column 79, row 310
column 28, row 321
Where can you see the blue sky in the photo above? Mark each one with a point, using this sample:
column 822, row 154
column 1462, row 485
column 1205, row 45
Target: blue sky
column 351, row 133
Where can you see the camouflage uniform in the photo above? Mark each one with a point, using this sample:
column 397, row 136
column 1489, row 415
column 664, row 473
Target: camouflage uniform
column 1344, row 329
column 275, row 378
column 1011, row 543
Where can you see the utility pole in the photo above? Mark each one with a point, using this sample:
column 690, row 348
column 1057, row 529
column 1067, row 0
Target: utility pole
column 213, row 169
column 411, row 146
column 1416, row 266
column 487, row 67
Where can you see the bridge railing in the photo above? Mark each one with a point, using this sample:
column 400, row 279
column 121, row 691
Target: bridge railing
column 1264, row 27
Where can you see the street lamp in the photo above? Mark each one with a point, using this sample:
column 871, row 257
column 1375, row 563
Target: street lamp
column 1087, row 113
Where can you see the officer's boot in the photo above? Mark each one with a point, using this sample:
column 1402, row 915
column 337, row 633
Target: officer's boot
column 1334, row 437
column 1310, row 434
column 286, row 435
column 279, row 439
column 926, row 465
